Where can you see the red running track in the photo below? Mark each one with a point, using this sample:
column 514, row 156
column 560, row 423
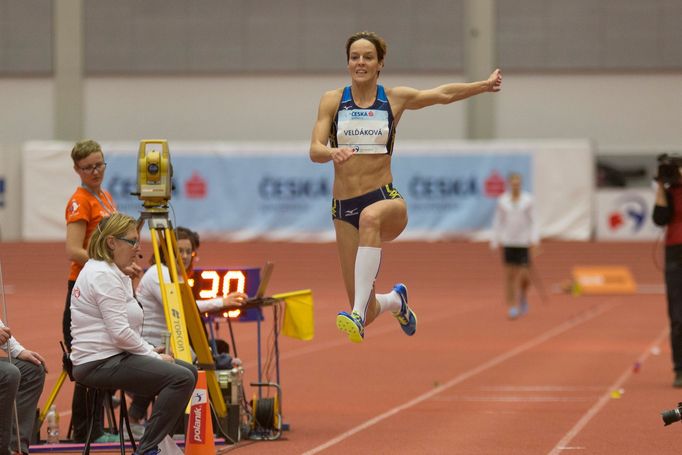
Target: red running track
column 561, row 380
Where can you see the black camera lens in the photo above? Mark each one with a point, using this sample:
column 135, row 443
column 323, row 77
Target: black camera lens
column 671, row 416
column 153, row 168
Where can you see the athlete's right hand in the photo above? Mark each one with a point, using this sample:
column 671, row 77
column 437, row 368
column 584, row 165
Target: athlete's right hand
column 342, row 154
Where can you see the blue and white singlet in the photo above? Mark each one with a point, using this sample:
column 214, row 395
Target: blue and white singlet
column 368, row 131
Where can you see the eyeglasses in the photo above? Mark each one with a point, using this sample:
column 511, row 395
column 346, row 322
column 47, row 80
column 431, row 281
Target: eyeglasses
column 99, row 167
column 132, row 242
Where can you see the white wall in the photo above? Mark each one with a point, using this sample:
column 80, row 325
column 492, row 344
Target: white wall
column 638, row 112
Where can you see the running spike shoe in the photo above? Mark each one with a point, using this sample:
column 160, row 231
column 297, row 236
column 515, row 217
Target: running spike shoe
column 351, row 325
column 406, row 317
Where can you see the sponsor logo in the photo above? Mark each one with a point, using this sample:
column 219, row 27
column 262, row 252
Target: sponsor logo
column 195, row 186
column 429, row 187
column 178, row 329
column 362, row 114
column 73, row 207
column 495, row 185
column 287, row 188
column 199, row 397
column 197, row 419
column 629, row 213
column 121, row 188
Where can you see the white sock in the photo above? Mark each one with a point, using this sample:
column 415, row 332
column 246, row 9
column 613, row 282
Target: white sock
column 389, row 302
column 367, row 264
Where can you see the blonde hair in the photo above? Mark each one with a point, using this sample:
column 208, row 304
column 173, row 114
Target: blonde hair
column 84, row 149
column 115, row 225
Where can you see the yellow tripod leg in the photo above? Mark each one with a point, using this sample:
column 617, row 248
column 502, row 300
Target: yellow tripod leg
column 170, row 294
column 51, row 398
column 202, row 350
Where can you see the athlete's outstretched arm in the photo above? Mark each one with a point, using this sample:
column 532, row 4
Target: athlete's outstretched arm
column 447, row 93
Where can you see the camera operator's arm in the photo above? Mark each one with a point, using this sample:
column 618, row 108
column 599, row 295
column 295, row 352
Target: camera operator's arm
column 663, row 211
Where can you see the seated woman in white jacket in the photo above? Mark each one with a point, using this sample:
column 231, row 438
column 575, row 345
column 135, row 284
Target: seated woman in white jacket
column 515, row 228
column 149, row 295
column 108, row 350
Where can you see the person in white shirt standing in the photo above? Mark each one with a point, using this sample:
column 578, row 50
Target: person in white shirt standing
column 515, row 229
column 108, row 351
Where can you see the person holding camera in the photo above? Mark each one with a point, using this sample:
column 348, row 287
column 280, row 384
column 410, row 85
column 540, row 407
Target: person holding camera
column 21, row 379
column 108, row 351
column 668, row 212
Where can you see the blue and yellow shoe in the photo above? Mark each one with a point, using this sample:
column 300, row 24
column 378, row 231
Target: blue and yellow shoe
column 406, row 317
column 351, row 324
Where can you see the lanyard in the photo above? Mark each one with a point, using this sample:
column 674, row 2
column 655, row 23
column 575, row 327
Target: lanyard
column 107, row 208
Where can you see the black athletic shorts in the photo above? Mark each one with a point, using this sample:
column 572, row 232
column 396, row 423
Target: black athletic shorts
column 514, row 255
column 349, row 210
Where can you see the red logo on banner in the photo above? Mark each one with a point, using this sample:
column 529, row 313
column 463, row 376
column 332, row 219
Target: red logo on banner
column 494, row 185
column 615, row 220
column 195, row 187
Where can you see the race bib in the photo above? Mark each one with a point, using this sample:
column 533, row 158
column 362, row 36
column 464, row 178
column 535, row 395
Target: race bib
column 365, row 130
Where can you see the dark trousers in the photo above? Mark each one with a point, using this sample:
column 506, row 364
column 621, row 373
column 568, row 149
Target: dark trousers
column 21, row 381
column 171, row 383
column 673, row 285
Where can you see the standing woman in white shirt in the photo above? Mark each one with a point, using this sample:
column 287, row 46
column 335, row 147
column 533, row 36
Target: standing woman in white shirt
column 108, row 350
column 515, row 228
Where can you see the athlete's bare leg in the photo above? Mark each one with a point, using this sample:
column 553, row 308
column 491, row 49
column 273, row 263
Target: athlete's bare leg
column 380, row 222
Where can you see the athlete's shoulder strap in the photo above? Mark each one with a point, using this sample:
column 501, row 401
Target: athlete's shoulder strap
column 381, row 93
column 347, row 95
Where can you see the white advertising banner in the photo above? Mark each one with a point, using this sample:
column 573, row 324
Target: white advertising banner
column 274, row 192
column 625, row 214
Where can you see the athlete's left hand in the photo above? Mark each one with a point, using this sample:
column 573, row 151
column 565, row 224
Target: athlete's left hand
column 495, row 81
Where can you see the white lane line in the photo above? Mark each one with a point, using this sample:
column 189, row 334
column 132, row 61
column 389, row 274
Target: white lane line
column 588, row 315
column 540, row 388
column 514, row 399
column 605, row 398
column 382, row 329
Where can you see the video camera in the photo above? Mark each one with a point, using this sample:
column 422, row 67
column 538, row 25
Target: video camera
column 154, row 173
column 672, row 415
column 669, row 169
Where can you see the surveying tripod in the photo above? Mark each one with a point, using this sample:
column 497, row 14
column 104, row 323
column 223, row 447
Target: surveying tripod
column 182, row 314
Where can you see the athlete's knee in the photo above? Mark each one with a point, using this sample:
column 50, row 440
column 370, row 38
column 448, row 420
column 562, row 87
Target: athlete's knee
column 369, row 220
